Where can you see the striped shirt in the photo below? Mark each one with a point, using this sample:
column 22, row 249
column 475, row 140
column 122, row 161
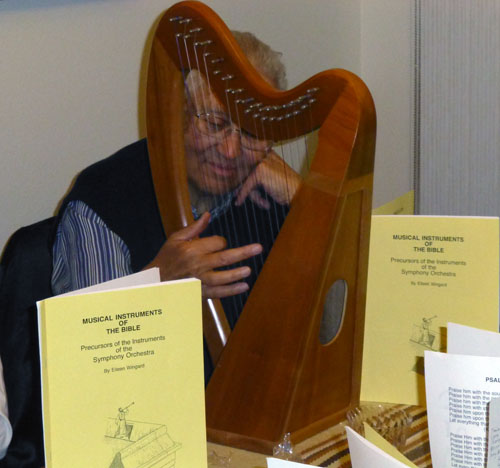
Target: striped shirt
column 87, row 252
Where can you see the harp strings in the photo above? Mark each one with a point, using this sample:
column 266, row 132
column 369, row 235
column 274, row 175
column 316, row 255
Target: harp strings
column 210, row 151
column 256, row 157
column 232, row 150
column 196, row 100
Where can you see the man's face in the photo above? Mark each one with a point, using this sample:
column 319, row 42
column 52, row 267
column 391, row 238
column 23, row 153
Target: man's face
column 216, row 160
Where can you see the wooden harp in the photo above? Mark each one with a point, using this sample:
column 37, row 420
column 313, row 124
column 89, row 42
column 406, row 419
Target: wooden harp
column 275, row 375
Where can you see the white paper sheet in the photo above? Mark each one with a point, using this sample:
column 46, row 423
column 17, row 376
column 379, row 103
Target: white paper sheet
column 459, row 389
column 277, row 463
column 472, row 341
column 364, row 454
column 150, row 276
column 494, row 434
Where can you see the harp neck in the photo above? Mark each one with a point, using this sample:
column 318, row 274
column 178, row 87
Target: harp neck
column 194, row 37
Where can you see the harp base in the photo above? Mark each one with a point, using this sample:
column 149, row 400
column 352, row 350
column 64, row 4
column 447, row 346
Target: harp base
column 256, row 443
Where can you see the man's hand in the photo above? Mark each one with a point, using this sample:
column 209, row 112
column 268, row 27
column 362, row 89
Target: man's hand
column 275, row 176
column 185, row 255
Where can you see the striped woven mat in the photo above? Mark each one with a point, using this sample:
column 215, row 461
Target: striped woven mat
column 329, row 448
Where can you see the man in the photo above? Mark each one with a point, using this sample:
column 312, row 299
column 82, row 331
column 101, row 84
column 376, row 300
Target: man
column 109, row 226
column 223, row 166
column 109, row 223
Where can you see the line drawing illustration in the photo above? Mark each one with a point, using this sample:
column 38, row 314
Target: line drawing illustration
column 423, row 335
column 139, row 444
column 426, row 337
column 123, row 430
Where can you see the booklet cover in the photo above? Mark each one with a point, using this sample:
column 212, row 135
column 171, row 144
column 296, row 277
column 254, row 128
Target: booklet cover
column 424, row 271
column 403, row 205
column 122, row 378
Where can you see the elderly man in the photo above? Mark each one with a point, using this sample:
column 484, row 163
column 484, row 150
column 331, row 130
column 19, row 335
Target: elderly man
column 224, row 166
column 109, row 224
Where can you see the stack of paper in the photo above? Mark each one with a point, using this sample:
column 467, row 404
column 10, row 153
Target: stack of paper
column 424, row 271
column 463, row 405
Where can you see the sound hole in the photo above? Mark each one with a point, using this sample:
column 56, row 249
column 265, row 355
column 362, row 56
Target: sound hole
column 333, row 311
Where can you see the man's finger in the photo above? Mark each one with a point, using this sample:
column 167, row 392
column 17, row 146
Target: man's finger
column 218, row 292
column 231, row 256
column 257, row 198
column 194, row 229
column 246, row 188
column 225, row 277
column 207, row 245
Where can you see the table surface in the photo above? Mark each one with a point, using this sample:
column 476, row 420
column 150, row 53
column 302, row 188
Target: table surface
column 329, row 448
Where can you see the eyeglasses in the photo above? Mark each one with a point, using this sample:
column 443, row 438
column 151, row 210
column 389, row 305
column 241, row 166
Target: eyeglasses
column 218, row 125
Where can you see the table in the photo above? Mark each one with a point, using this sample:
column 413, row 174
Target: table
column 329, row 448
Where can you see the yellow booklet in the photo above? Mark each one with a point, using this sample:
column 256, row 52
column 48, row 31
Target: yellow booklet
column 424, row 271
column 122, row 378
column 372, row 436
column 403, row 205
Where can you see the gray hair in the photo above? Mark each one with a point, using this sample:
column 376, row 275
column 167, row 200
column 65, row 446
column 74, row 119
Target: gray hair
column 263, row 58
column 266, row 60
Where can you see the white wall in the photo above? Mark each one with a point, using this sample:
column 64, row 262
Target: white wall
column 386, row 68
column 72, row 81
